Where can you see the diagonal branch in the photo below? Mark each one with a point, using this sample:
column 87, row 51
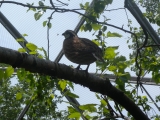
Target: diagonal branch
column 94, row 83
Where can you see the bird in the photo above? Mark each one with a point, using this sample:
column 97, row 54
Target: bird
column 81, row 51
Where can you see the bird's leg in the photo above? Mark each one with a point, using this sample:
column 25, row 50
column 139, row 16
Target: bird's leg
column 78, row 67
column 86, row 71
column 87, row 68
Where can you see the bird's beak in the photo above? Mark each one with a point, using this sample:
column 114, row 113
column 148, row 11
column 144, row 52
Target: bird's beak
column 63, row 34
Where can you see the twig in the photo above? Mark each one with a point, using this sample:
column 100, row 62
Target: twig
column 48, row 28
column 63, row 3
column 62, row 10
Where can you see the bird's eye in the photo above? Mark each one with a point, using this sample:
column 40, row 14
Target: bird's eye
column 66, row 35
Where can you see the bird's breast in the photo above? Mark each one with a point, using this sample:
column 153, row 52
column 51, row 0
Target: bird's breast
column 74, row 51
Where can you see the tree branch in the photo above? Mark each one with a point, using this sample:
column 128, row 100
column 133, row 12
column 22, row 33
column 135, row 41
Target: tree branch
column 94, row 83
column 63, row 10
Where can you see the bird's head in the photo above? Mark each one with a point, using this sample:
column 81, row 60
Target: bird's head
column 69, row 33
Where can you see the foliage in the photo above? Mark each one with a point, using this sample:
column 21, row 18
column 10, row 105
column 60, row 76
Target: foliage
column 42, row 89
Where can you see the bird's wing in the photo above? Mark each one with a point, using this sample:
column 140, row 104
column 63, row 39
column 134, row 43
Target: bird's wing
column 87, row 46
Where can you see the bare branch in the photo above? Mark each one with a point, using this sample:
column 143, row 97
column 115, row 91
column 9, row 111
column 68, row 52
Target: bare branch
column 63, row 10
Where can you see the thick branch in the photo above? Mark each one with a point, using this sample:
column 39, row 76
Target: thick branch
column 94, row 83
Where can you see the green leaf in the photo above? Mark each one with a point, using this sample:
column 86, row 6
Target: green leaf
column 86, row 5
column 24, row 35
column 109, row 34
column 71, row 109
column 33, row 53
column 105, row 110
column 120, row 58
column 103, row 102
column 89, row 107
column 96, row 26
column 41, row 3
column 71, row 94
column 82, row 28
column 144, row 97
column 31, row 46
column 45, row 53
column 18, row 96
column 81, row 6
column 97, row 96
column 120, row 84
column 49, row 25
column 104, row 28
column 1, row 74
column 75, row 115
column 20, row 40
column 99, row 6
column 37, row 15
column 158, row 22
column 112, row 68
column 49, row 101
column 44, row 23
column 21, row 74
column 33, row 9
column 110, row 52
column 156, row 77
column 9, row 71
column 22, row 50
column 96, row 42
column 124, row 78
column 87, row 27
column 70, row 84
column 62, row 84
column 109, row 1
column 51, row 96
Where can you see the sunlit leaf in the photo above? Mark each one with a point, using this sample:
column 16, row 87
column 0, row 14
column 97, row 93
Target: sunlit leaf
column 52, row 96
column 86, row 5
column 22, row 50
column 21, row 74
column 18, row 96
column 110, row 52
column 72, row 95
column 20, row 40
column 109, row 34
column 103, row 102
column 112, row 68
column 75, row 115
column 62, row 84
column 31, row 46
column 33, row 52
column 96, row 26
column 71, row 109
column 24, row 35
column 8, row 72
column 89, row 107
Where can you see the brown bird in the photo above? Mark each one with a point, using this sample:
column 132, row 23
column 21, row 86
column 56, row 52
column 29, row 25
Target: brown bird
column 81, row 51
